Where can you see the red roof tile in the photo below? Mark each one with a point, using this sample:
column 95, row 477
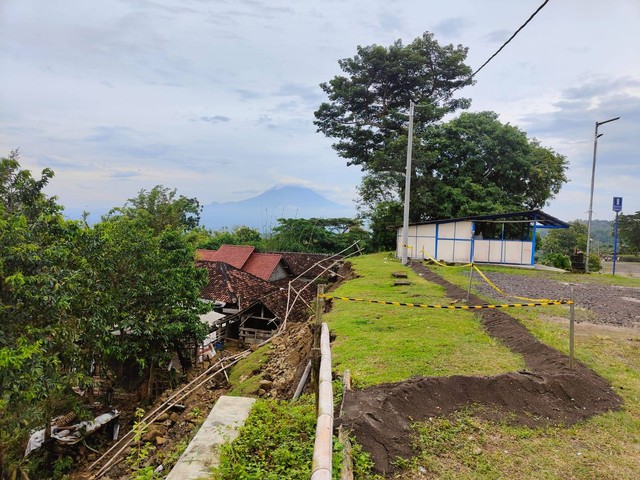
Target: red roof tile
column 234, row 255
column 262, row 265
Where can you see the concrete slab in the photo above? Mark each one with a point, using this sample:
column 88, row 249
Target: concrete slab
column 226, row 416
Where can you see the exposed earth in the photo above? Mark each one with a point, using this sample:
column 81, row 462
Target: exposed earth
column 548, row 392
column 607, row 304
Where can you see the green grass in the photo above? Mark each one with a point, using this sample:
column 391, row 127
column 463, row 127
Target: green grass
column 606, row 446
column 276, row 443
column 383, row 343
column 245, row 375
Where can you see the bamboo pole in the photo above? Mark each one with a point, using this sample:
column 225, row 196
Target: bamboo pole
column 571, row 327
column 323, row 446
column 315, row 351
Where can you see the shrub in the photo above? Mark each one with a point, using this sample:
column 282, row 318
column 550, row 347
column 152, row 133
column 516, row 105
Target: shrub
column 557, row 260
column 594, row 263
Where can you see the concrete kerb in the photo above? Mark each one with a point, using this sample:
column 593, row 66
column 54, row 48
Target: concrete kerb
column 221, row 426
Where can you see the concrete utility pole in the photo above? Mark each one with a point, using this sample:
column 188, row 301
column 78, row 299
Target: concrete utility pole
column 593, row 174
column 407, row 187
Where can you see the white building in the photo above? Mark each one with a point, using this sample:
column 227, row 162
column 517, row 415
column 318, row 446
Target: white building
column 503, row 238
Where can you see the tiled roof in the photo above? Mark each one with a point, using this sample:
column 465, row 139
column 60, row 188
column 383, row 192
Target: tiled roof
column 277, row 302
column 308, row 265
column 234, row 255
column 244, row 257
column 228, row 284
column 262, row 265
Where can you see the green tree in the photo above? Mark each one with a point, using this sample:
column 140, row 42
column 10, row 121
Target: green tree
column 147, row 290
column 367, row 109
column 317, row 235
column 239, row 235
column 161, row 208
column 566, row 240
column 629, row 231
column 44, row 285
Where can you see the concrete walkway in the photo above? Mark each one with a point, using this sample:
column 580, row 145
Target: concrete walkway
column 226, row 416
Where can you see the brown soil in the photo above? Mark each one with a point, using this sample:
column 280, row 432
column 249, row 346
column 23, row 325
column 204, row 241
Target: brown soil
column 549, row 392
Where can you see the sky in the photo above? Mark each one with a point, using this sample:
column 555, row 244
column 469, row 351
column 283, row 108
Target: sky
column 216, row 97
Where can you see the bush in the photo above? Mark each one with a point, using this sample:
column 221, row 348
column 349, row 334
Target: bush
column 557, row 260
column 594, row 263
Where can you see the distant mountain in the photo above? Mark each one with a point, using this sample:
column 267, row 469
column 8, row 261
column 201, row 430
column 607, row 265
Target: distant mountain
column 262, row 212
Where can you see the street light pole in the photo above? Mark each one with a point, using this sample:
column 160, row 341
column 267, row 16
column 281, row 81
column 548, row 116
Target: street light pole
column 593, row 174
column 407, row 187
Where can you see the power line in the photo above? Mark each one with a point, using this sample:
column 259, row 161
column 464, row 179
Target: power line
column 504, row 44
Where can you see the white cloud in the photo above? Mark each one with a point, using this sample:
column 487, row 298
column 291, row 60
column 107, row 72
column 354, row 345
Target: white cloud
column 217, row 98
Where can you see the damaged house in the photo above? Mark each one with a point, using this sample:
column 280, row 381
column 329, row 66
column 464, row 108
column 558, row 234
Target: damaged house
column 258, row 292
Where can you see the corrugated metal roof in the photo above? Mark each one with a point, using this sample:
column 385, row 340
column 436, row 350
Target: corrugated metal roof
column 537, row 216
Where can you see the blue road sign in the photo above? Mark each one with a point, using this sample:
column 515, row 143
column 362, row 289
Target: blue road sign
column 617, row 204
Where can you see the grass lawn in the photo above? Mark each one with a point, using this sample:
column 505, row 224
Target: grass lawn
column 384, row 343
column 604, row 447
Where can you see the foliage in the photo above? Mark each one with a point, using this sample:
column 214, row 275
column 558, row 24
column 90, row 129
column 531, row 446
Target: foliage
column 629, row 231
column 147, row 289
column 470, row 165
column 557, row 260
column 566, row 241
column 67, row 288
column 317, row 235
column 43, row 287
column 239, row 235
column 628, row 258
column 367, row 108
column 595, row 265
column 161, row 208
column 384, row 215
column 276, row 442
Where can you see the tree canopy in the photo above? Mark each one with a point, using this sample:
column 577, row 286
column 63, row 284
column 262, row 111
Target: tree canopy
column 470, row 165
column 629, row 231
column 67, row 289
column 367, row 109
column 161, row 208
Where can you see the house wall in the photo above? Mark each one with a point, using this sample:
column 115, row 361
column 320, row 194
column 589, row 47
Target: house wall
column 278, row 274
column 453, row 242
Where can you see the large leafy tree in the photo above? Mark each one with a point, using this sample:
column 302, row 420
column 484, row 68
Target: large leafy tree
column 566, row 241
column 317, row 235
column 367, row 110
column 44, row 287
column 472, row 164
column 475, row 164
column 629, row 231
column 147, row 290
column 161, row 208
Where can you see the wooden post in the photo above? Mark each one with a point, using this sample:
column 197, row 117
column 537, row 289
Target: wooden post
column 571, row 328
column 315, row 351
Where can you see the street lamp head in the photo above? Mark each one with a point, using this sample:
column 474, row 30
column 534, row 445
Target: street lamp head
column 607, row 121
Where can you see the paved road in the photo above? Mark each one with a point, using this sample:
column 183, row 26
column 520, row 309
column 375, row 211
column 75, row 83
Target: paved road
column 628, row 269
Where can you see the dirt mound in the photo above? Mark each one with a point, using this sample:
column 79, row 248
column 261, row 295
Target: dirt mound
column 287, row 359
column 548, row 393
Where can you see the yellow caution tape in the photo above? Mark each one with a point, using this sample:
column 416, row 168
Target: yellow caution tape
column 443, row 264
column 452, row 307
